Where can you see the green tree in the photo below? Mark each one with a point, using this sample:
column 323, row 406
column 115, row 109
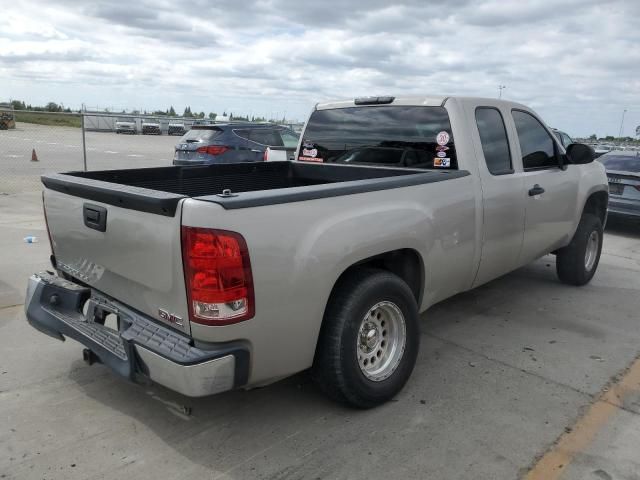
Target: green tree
column 187, row 112
column 212, row 115
column 593, row 136
column 18, row 105
column 172, row 112
column 53, row 107
column 201, row 115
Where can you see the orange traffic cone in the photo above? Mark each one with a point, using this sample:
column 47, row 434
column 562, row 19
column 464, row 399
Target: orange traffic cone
column 34, row 156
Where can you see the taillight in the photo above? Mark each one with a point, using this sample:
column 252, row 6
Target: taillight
column 217, row 275
column 213, row 149
column 265, row 155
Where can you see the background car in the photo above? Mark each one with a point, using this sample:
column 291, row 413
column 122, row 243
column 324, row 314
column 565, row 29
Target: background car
column 623, row 173
column 176, row 128
column 565, row 139
column 231, row 143
column 601, row 149
column 151, row 128
column 126, row 127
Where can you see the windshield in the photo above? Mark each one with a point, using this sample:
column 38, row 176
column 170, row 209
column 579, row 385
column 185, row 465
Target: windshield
column 405, row 136
column 627, row 163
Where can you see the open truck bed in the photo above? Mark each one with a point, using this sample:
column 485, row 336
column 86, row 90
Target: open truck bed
column 159, row 190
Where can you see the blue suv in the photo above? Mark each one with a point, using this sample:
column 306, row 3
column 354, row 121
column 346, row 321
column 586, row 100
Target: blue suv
column 232, row 143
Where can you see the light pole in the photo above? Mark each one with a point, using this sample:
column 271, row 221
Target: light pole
column 622, row 123
column 500, row 88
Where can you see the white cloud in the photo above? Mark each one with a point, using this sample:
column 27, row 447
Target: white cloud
column 576, row 62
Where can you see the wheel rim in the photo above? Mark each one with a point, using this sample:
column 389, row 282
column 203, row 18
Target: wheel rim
column 381, row 341
column 591, row 253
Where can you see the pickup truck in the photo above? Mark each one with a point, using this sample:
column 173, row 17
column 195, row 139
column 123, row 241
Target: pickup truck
column 214, row 277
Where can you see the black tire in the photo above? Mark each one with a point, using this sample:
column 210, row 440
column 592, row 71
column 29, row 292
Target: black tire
column 570, row 260
column 336, row 367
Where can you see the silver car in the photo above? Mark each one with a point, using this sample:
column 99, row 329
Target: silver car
column 623, row 174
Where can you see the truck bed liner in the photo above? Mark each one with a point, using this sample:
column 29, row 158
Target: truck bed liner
column 158, row 190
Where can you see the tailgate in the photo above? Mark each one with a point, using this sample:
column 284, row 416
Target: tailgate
column 134, row 256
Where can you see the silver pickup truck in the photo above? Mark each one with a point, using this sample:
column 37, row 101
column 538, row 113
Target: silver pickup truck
column 214, row 277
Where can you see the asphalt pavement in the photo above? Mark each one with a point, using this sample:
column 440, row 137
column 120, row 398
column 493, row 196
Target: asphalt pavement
column 59, row 149
column 508, row 375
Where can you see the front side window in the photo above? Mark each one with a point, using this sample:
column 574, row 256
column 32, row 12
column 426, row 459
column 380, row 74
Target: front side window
column 392, row 136
column 536, row 145
column 493, row 136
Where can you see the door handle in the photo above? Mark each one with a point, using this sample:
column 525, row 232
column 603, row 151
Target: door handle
column 536, row 190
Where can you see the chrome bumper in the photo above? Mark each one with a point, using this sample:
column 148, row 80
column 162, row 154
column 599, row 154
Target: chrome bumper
column 141, row 349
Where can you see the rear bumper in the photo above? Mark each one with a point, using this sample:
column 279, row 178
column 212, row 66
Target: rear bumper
column 629, row 208
column 142, row 349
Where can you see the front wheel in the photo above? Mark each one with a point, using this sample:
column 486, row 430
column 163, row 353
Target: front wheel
column 576, row 263
column 369, row 339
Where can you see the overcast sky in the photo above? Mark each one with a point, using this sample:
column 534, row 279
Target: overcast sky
column 576, row 62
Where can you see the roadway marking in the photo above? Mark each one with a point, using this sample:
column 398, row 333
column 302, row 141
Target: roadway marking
column 109, row 151
column 8, row 155
column 133, row 155
column 578, row 438
column 52, row 143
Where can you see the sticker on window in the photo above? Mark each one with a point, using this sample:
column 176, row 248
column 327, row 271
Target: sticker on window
column 442, row 138
column 441, row 148
column 441, row 154
column 441, row 162
column 303, row 158
column 310, row 152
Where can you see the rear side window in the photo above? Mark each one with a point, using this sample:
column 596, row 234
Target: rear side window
column 536, row 144
column 201, row 135
column 493, row 136
column 265, row 137
column 289, row 139
column 394, row 136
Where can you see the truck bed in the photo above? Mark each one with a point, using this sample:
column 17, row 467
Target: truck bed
column 159, row 190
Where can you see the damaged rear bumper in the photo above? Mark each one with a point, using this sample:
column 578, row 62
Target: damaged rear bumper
column 141, row 348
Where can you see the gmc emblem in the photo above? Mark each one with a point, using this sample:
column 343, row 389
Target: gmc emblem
column 170, row 317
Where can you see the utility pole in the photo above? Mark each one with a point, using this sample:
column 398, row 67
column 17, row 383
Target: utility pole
column 622, row 123
column 500, row 88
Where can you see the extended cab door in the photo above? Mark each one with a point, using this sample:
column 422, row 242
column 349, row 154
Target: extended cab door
column 503, row 206
column 550, row 191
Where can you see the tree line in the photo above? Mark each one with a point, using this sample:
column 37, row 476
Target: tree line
column 170, row 112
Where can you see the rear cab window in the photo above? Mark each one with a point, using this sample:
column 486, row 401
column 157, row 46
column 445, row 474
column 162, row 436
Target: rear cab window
column 389, row 136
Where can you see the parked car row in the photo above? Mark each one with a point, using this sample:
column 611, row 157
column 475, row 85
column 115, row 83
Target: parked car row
column 149, row 128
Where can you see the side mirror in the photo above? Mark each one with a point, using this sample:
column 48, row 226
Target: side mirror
column 579, row 153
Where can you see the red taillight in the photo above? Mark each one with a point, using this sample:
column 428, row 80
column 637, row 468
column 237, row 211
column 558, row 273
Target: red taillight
column 265, row 155
column 217, row 276
column 213, row 149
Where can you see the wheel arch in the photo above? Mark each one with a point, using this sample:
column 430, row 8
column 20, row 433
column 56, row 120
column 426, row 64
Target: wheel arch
column 406, row 263
column 596, row 204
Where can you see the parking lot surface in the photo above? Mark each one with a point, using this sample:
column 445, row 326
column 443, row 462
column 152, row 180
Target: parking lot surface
column 505, row 382
column 59, row 149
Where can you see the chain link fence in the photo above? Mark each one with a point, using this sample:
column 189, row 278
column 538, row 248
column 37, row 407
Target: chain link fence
column 34, row 143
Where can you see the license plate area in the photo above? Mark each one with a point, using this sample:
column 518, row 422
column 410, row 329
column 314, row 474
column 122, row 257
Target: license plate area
column 616, row 188
column 97, row 312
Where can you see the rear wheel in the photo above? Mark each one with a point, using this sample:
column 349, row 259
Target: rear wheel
column 369, row 340
column 577, row 262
